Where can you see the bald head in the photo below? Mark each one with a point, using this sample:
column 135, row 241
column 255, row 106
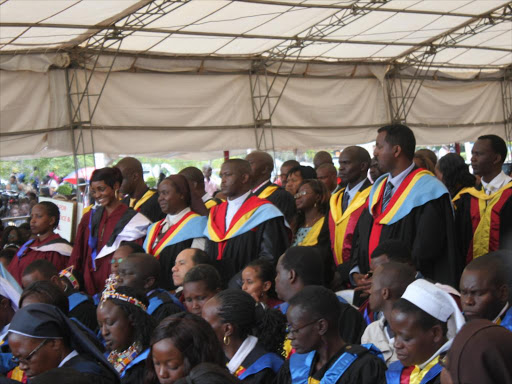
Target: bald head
column 328, row 174
column 236, row 178
column 130, row 164
column 395, row 276
column 359, row 153
column 133, row 179
column 354, row 163
column 322, row 157
column 262, row 165
column 140, row 271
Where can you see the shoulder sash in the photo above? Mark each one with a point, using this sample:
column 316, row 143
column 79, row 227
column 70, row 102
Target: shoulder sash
column 311, row 238
column 507, row 320
column 343, row 223
column 253, row 212
column 76, row 299
column 268, row 360
column 58, row 245
column 141, row 357
column 210, row 203
column 190, row 226
column 267, row 191
column 395, row 370
column 137, row 204
column 156, row 301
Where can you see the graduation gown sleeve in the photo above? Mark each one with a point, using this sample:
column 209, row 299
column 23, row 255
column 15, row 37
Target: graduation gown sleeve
column 85, row 313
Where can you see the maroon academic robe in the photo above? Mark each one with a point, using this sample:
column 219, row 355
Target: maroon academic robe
column 94, row 279
column 18, row 264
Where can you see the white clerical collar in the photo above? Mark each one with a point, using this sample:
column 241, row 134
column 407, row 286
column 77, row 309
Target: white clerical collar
column 397, row 180
column 68, row 357
column 505, row 308
column 261, row 185
column 240, row 355
column 495, row 184
column 173, row 219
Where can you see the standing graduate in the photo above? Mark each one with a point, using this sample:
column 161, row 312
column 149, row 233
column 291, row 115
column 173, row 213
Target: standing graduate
column 196, row 181
column 45, row 245
column 262, row 165
column 139, row 196
column 322, row 355
column 103, row 228
column 408, row 204
column 244, row 227
column 484, row 215
column 252, row 337
column 182, row 228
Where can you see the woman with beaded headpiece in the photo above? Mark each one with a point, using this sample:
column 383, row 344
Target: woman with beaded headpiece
column 126, row 329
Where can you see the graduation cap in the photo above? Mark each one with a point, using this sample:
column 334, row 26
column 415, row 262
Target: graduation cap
column 45, row 321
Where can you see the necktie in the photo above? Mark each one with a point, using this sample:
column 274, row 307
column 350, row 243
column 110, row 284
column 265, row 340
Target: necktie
column 387, row 195
column 344, row 202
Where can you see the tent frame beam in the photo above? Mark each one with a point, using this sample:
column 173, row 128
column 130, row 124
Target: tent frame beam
column 506, row 93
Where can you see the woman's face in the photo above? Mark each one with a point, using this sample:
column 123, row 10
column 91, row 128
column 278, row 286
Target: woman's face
column 13, row 236
column 170, row 200
column 211, row 314
column 40, row 222
column 196, row 293
column 102, row 193
column 293, row 182
column 168, row 361
column 305, row 198
column 253, row 285
column 115, row 326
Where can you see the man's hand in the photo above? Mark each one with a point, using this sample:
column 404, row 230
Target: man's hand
column 363, row 283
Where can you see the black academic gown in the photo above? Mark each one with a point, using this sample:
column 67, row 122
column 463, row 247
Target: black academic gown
column 167, row 258
column 82, row 308
column 282, row 199
column 428, row 230
column 161, row 305
column 150, row 208
column 267, row 241
column 263, row 376
column 464, row 227
column 366, row 369
column 82, row 363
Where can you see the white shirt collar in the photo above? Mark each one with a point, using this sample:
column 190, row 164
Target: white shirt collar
column 261, row 185
column 173, row 219
column 205, row 197
column 234, row 205
column 505, row 308
column 495, row 184
column 68, row 357
column 352, row 192
column 397, row 180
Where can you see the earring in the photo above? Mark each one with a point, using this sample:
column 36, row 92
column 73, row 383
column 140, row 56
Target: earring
column 226, row 340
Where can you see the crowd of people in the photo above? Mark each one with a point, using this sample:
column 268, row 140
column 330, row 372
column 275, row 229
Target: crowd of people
column 400, row 273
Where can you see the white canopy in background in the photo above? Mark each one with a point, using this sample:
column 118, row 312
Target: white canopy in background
column 182, row 82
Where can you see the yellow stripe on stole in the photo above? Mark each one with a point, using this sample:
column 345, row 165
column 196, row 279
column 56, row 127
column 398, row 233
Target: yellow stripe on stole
column 149, row 193
column 483, row 230
column 394, row 209
column 176, row 231
column 311, row 238
column 214, row 237
column 267, row 191
column 418, row 374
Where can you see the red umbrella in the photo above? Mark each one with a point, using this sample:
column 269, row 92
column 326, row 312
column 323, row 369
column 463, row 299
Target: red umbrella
column 83, row 173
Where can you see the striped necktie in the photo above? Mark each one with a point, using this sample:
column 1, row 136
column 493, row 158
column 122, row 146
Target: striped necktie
column 387, row 195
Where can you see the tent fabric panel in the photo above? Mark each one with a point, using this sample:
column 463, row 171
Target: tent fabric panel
column 155, row 99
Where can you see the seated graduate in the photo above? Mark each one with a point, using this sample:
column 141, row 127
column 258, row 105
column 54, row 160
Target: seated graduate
column 244, row 227
column 420, row 321
column 480, row 354
column 208, row 373
column 126, row 248
column 62, row 376
column 200, row 284
column 310, row 227
column 126, row 328
column 178, row 344
column 185, row 261
column 484, row 291
column 302, row 266
column 258, row 280
column 46, row 245
column 103, row 228
column 389, row 282
column 41, row 338
column 322, row 355
column 251, row 336
column 296, row 176
column 81, row 306
column 142, row 272
column 182, row 227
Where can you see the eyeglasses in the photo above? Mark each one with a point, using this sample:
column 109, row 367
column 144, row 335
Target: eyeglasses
column 292, row 332
column 116, row 261
column 25, row 360
column 302, row 193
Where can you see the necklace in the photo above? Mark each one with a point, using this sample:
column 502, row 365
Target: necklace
column 313, row 221
column 120, row 360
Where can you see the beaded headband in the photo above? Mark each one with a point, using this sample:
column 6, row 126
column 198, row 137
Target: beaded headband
column 110, row 293
column 68, row 274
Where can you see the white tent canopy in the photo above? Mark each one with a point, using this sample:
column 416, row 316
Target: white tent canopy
column 187, row 76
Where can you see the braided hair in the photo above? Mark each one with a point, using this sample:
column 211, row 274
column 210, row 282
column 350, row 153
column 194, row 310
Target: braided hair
column 143, row 323
column 52, row 210
column 240, row 309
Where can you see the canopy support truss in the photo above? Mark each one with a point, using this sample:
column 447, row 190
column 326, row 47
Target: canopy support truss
column 506, row 92
column 266, row 92
column 83, row 98
column 401, row 96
